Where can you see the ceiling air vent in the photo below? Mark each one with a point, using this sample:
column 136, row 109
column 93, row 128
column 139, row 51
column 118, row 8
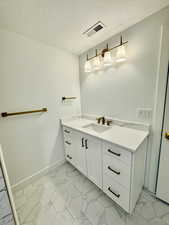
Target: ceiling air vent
column 94, row 29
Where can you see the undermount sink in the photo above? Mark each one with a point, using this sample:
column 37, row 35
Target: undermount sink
column 97, row 127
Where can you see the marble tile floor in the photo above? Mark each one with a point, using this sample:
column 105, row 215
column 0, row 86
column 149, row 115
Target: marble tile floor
column 66, row 197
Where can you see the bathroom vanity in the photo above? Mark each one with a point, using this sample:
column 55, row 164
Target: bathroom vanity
column 111, row 157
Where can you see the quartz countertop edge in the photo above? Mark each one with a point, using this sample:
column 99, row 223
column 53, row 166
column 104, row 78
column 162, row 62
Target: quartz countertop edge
column 125, row 137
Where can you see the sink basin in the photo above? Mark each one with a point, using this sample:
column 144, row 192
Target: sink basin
column 97, row 127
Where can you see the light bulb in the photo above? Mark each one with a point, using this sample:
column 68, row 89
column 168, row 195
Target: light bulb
column 88, row 67
column 121, row 54
column 96, row 63
column 107, row 61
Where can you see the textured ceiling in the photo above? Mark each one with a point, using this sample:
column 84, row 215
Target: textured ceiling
column 62, row 22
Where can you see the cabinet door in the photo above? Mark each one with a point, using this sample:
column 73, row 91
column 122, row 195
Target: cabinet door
column 79, row 140
column 94, row 160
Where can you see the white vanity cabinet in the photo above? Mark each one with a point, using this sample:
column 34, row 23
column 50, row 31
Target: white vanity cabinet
column 114, row 169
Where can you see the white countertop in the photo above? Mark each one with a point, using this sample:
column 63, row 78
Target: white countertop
column 122, row 136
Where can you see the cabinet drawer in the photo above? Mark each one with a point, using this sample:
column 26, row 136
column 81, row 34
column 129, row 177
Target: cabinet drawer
column 116, row 192
column 69, row 151
column 117, row 152
column 68, row 147
column 67, row 132
column 117, row 170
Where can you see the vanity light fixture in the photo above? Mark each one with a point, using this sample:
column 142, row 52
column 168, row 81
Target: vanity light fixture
column 107, row 57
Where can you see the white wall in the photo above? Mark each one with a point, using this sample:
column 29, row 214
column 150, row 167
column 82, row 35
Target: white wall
column 33, row 76
column 119, row 91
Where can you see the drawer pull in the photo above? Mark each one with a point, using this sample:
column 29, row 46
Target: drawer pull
column 117, row 195
column 83, row 143
column 66, row 131
column 114, row 171
column 86, row 144
column 114, row 153
column 67, row 142
column 69, row 157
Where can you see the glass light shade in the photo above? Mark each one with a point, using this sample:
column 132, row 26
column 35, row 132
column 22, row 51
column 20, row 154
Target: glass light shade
column 96, row 63
column 88, row 67
column 107, row 61
column 121, row 54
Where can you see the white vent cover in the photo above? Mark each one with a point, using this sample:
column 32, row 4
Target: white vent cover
column 94, row 29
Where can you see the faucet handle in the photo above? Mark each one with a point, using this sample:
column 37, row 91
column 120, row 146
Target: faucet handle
column 109, row 122
column 101, row 118
column 98, row 119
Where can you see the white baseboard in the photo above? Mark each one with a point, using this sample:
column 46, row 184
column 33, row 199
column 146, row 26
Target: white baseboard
column 21, row 184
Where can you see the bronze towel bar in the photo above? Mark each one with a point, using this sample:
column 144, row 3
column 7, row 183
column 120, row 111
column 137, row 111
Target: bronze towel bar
column 5, row 114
